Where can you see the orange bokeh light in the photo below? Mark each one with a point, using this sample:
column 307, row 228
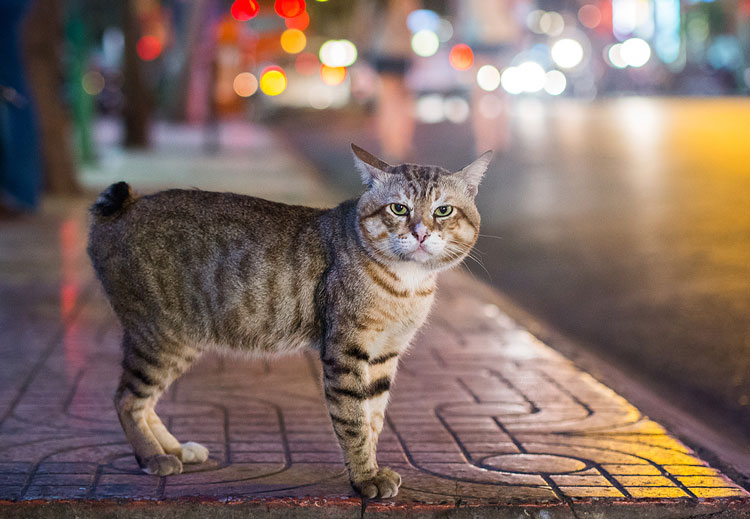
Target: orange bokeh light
column 148, row 47
column 332, row 75
column 293, row 41
column 243, row 10
column 461, row 57
column 301, row 21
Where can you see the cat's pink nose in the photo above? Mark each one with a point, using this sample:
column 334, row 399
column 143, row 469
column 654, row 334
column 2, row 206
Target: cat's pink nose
column 420, row 232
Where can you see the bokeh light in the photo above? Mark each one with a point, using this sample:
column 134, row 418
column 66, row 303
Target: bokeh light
column 307, row 64
column 338, row 53
column 293, row 41
column 533, row 19
column 245, row 84
column 590, row 16
column 429, row 109
column 552, row 23
column 512, row 81
column 273, row 81
column 533, row 76
column 555, row 83
column 456, row 109
column 289, row 8
column 243, row 10
column 488, row 78
column 148, row 47
column 567, row 53
column 635, row 52
column 320, row 97
column 614, row 56
column 423, row 20
column 461, row 57
column 92, row 82
column 301, row 21
column 332, row 75
column 445, row 30
column 425, row 43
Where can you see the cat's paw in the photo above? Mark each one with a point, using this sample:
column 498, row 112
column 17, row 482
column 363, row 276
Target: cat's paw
column 162, row 465
column 194, row 453
column 383, row 485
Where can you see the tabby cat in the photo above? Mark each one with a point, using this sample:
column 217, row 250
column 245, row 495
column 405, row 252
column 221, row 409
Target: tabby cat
column 186, row 270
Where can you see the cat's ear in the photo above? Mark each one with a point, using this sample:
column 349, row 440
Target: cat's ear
column 370, row 168
column 473, row 173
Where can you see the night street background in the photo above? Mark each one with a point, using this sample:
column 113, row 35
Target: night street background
column 624, row 223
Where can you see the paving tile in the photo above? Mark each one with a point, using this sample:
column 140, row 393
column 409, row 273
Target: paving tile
column 482, row 412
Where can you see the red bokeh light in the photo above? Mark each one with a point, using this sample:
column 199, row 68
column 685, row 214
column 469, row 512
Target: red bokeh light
column 243, row 10
column 148, row 47
column 461, row 57
column 307, row 63
column 289, row 8
column 301, row 21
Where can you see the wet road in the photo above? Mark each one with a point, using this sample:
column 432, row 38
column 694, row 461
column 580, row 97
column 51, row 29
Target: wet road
column 625, row 224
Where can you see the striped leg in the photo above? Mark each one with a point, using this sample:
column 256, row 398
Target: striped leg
column 350, row 394
column 147, row 372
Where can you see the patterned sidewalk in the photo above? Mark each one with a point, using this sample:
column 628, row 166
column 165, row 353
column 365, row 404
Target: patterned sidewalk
column 485, row 420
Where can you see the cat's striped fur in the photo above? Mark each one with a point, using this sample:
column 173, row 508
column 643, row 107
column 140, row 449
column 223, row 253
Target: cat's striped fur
column 189, row 270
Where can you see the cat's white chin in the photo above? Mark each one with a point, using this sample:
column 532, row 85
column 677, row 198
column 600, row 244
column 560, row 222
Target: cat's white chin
column 420, row 255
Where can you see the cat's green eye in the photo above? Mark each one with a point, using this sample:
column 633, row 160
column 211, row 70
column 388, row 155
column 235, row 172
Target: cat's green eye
column 443, row 211
column 399, row 209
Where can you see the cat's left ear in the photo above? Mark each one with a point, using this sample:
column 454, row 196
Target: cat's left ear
column 473, row 173
column 371, row 168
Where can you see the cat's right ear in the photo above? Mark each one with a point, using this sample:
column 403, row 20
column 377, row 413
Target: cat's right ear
column 370, row 168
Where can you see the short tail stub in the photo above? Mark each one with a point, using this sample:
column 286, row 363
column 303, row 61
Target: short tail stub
column 113, row 199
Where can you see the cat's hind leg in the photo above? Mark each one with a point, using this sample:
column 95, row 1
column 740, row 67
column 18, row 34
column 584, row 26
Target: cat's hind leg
column 148, row 369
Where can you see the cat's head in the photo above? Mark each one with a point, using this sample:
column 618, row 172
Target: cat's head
column 422, row 214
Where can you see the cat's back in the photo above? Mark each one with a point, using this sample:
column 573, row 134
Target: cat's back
column 185, row 219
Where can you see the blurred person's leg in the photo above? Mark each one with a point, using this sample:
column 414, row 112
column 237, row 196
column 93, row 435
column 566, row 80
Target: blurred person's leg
column 20, row 166
column 395, row 117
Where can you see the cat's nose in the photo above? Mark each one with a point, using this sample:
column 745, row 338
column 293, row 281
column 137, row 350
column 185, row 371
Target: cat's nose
column 420, row 232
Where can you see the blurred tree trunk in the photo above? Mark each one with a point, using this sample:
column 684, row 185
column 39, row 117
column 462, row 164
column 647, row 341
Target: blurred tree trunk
column 137, row 102
column 43, row 41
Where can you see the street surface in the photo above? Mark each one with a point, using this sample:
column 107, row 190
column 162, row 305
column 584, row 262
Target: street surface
column 484, row 421
column 625, row 224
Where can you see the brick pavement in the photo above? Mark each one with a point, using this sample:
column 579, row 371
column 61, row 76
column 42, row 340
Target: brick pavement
column 484, row 418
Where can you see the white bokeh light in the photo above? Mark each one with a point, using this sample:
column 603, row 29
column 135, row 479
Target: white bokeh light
column 429, row 109
column 532, row 76
column 425, row 43
column 488, row 78
column 615, row 57
column 635, row 52
column 338, row 53
column 555, row 83
column 567, row 53
column 456, row 109
column 512, row 80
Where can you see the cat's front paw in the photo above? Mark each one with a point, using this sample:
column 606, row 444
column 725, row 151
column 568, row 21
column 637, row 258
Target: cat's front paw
column 162, row 465
column 194, row 453
column 383, row 485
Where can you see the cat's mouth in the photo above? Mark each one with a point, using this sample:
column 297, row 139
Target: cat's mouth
column 420, row 254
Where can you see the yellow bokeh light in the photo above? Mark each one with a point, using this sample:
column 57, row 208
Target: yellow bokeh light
column 332, row 75
column 273, row 81
column 293, row 41
column 245, row 84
